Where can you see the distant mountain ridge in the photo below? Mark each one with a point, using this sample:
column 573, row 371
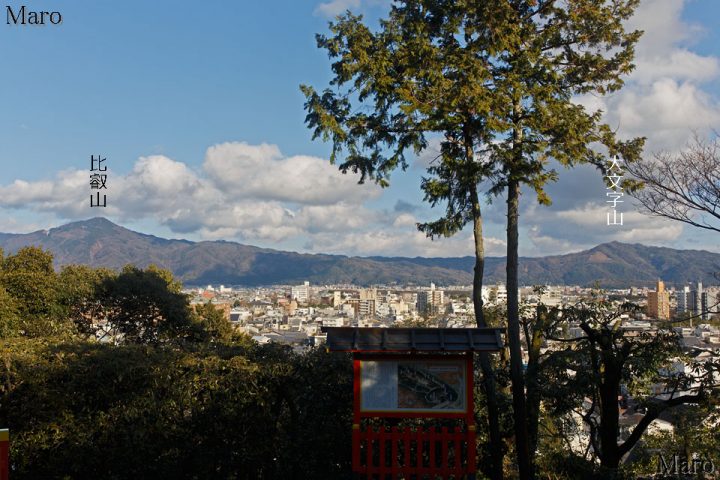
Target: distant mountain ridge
column 99, row 242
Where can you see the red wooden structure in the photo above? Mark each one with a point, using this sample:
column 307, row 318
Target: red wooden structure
column 409, row 358
column 414, row 452
column 4, row 454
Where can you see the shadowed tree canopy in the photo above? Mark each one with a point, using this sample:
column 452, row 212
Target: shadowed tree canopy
column 79, row 293
column 146, row 306
column 605, row 359
column 213, row 322
column 9, row 315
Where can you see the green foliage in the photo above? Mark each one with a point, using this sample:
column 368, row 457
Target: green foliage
column 9, row 315
column 146, row 306
column 88, row 410
column 605, row 360
column 496, row 79
column 213, row 323
column 181, row 396
column 29, row 278
column 79, row 287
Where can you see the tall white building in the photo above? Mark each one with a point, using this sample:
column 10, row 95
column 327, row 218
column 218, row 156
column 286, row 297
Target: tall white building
column 693, row 301
column 683, row 299
column 301, row 293
column 337, row 298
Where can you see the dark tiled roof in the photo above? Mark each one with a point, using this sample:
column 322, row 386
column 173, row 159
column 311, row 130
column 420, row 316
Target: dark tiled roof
column 344, row 339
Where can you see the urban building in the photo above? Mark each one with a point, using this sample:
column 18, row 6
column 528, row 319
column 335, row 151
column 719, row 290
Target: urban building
column 301, row 293
column 693, row 301
column 658, row 305
column 430, row 301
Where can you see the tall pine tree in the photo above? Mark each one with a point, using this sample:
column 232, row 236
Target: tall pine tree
column 496, row 79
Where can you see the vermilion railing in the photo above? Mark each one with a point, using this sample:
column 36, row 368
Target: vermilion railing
column 401, row 453
column 419, row 452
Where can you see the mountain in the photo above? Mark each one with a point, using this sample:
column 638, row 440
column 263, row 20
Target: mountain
column 610, row 265
column 99, row 242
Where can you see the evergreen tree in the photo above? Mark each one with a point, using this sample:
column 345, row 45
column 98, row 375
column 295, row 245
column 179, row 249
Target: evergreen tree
column 495, row 78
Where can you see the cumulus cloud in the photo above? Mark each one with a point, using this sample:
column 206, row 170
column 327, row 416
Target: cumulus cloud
column 405, row 243
column 261, row 172
column 663, row 98
column 556, row 231
column 63, row 196
column 245, row 192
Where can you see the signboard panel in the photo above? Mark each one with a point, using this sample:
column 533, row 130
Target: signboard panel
column 413, row 385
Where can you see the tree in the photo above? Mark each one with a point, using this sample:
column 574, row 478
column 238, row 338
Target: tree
column 423, row 73
column 146, row 306
column 9, row 316
column 497, row 80
column 195, row 411
column 29, row 278
column 213, row 322
column 604, row 360
column 79, row 288
column 541, row 54
column 683, row 187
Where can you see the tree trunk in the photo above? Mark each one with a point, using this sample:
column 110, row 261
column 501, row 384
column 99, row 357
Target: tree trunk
column 496, row 451
column 513, row 314
column 609, row 414
column 534, row 341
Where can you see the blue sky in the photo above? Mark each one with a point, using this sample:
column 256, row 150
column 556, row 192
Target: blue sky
column 196, row 107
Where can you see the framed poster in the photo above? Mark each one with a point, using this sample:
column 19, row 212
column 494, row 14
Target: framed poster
column 432, row 385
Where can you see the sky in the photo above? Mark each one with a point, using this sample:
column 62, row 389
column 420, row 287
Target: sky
column 197, row 110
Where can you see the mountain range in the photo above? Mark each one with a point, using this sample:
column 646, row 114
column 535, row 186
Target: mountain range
column 99, row 242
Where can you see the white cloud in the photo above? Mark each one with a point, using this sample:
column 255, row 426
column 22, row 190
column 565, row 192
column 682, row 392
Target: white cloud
column 663, row 98
column 10, row 224
column 64, row 195
column 405, row 220
column 666, row 112
column 405, row 243
column 679, row 64
column 663, row 27
column 557, row 231
column 261, row 172
column 245, row 192
column 334, row 8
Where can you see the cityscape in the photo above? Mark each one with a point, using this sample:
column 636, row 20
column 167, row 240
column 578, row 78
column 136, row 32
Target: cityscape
column 294, row 315
column 360, row 239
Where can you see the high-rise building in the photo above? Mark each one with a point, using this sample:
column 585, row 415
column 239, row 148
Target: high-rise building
column 682, row 297
column 659, row 302
column 337, row 298
column 301, row 293
column 700, row 302
column 430, row 302
column 368, row 294
column 366, row 307
column 693, row 301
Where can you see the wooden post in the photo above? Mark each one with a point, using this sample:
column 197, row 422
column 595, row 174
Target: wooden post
column 4, row 454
